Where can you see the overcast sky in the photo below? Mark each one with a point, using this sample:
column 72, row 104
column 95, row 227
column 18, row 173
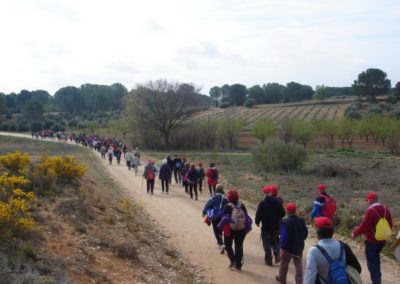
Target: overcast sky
column 49, row 44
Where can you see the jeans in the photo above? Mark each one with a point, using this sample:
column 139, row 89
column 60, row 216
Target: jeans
column 284, row 266
column 165, row 183
column 237, row 255
column 150, row 185
column 177, row 175
column 372, row 253
column 201, row 185
column 270, row 241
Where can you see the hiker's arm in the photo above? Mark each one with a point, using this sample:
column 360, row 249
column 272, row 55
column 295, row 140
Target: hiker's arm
column 351, row 259
column 283, row 238
column 257, row 219
column 364, row 226
column 311, row 268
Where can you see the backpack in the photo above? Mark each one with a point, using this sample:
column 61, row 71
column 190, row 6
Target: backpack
column 383, row 232
column 329, row 209
column 178, row 165
column 214, row 174
column 238, row 218
column 216, row 212
column 149, row 174
column 337, row 273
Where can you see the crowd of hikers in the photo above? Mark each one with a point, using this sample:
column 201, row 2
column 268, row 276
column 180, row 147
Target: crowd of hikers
column 283, row 235
column 283, row 231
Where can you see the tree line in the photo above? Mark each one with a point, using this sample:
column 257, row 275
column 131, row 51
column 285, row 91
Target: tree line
column 88, row 97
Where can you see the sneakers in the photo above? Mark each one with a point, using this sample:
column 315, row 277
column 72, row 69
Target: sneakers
column 269, row 263
column 278, row 279
column 221, row 249
column 277, row 259
column 232, row 264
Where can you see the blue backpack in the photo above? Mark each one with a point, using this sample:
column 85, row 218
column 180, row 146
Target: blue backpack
column 337, row 268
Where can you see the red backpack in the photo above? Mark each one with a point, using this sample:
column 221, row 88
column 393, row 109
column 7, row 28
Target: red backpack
column 329, row 209
column 149, row 174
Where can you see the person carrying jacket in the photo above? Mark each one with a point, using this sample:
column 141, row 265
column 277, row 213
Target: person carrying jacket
column 232, row 235
column 317, row 270
column 269, row 213
column 193, row 177
column 212, row 177
column 373, row 247
column 293, row 234
column 150, row 173
column 324, row 205
column 217, row 200
column 165, row 176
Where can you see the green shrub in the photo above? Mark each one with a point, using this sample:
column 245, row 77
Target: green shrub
column 224, row 104
column 4, row 126
column 374, row 109
column 274, row 154
column 22, row 126
column 249, row 103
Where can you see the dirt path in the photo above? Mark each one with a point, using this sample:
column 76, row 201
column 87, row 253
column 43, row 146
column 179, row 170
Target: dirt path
column 180, row 218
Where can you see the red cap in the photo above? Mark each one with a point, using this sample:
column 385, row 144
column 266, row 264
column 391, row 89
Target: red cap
column 291, row 208
column 323, row 222
column 267, row 189
column 321, row 187
column 274, row 190
column 232, row 195
column 372, row 195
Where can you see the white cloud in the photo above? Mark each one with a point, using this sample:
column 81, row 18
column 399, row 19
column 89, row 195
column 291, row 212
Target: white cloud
column 48, row 44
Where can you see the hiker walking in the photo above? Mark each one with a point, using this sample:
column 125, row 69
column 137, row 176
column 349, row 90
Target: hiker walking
column 213, row 210
column 103, row 150
column 135, row 164
column 128, row 158
column 376, row 227
column 185, row 178
column 269, row 213
column 212, row 178
column 235, row 224
column 327, row 261
column 201, row 177
column 118, row 154
column 193, row 177
column 275, row 192
column 149, row 173
column 177, row 168
column 137, row 153
column 110, row 155
column 165, row 176
column 293, row 234
column 324, row 205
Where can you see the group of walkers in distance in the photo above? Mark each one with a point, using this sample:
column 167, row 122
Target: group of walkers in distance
column 283, row 231
column 183, row 172
column 283, row 238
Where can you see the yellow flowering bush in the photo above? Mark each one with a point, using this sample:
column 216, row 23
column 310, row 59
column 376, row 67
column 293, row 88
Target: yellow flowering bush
column 15, row 163
column 14, row 206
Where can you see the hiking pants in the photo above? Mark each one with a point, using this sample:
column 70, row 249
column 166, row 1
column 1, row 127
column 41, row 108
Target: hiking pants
column 270, row 241
column 186, row 185
column 118, row 159
column 193, row 186
column 284, row 266
column 237, row 255
column 201, row 185
column 372, row 253
column 165, row 182
column 128, row 163
column 177, row 175
column 217, row 231
column 212, row 189
column 150, row 185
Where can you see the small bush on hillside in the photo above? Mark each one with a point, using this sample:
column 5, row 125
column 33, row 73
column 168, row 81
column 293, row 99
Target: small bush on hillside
column 374, row 109
column 9, row 115
column 395, row 112
column 15, row 163
column 36, row 126
column 249, row 103
column 4, row 126
column 22, row 126
column 274, row 154
column 54, row 169
column 224, row 104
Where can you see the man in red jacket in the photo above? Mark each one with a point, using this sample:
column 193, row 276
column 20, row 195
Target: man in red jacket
column 373, row 247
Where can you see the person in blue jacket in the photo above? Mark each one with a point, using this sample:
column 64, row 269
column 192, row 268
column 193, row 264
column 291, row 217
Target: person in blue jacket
column 217, row 200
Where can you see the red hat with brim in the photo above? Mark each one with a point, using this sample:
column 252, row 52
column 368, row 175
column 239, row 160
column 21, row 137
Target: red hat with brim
column 274, row 190
column 321, row 187
column 291, row 208
column 323, row 222
column 371, row 196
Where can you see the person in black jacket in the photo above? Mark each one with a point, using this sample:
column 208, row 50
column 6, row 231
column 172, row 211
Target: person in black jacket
column 177, row 167
column 193, row 177
column 270, row 213
column 293, row 234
